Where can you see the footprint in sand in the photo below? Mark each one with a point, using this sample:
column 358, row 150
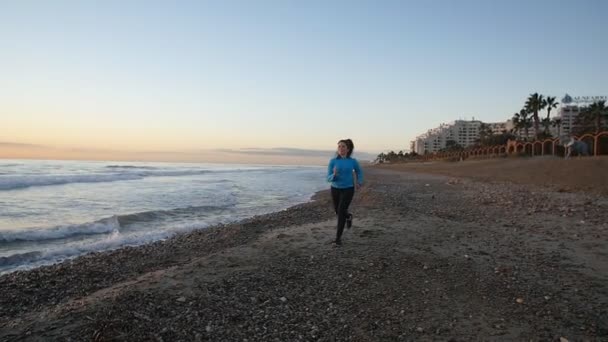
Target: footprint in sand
column 283, row 235
column 367, row 233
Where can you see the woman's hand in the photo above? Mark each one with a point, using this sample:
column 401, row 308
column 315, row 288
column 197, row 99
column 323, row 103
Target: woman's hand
column 335, row 171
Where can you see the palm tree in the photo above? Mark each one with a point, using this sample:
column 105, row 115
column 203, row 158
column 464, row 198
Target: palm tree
column 534, row 104
column 485, row 133
column 381, row 158
column 557, row 122
column 596, row 112
column 549, row 103
column 526, row 122
column 452, row 145
column 546, row 122
column 516, row 123
column 521, row 120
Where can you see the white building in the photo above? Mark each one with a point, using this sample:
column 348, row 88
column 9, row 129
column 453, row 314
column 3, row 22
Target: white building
column 567, row 114
column 570, row 108
column 463, row 132
column 500, row 127
column 521, row 132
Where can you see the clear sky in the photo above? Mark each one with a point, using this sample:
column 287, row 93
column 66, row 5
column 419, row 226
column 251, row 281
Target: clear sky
column 124, row 78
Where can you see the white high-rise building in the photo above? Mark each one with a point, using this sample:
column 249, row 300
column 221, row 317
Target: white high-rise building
column 463, row 132
column 499, row 127
column 521, row 132
column 570, row 108
column 567, row 114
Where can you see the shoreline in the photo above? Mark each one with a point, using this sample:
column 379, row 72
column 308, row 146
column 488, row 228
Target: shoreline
column 429, row 257
column 171, row 252
column 68, row 260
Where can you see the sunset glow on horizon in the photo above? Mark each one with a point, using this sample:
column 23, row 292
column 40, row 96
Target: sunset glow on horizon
column 187, row 81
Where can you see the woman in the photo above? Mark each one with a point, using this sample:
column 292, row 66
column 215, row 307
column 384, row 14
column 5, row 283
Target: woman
column 345, row 174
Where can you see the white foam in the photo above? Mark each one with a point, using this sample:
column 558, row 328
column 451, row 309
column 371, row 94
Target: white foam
column 71, row 250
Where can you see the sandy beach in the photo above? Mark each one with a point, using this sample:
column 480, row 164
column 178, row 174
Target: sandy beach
column 451, row 252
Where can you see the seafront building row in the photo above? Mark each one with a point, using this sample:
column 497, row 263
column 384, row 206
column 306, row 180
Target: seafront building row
column 466, row 132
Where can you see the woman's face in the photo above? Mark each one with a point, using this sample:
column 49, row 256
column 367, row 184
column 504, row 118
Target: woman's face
column 342, row 149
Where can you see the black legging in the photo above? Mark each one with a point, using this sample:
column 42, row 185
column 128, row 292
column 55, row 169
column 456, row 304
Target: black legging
column 341, row 199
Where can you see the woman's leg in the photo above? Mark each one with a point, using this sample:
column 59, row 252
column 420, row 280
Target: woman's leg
column 335, row 198
column 346, row 196
column 349, row 220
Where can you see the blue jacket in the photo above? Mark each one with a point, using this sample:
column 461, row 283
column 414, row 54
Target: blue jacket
column 344, row 177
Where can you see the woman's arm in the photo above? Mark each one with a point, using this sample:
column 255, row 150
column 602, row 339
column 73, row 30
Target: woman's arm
column 331, row 171
column 358, row 172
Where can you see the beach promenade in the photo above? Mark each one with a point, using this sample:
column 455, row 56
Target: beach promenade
column 435, row 253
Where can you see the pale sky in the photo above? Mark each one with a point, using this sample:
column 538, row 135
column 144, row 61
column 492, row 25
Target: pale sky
column 114, row 79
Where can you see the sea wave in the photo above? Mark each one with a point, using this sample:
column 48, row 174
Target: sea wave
column 20, row 258
column 12, row 182
column 58, row 253
column 20, row 182
column 157, row 215
column 109, row 224
column 131, row 167
column 61, row 252
column 103, row 226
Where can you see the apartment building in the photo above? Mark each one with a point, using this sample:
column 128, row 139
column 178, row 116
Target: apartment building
column 568, row 114
column 499, row 127
column 570, row 108
column 521, row 133
column 463, row 132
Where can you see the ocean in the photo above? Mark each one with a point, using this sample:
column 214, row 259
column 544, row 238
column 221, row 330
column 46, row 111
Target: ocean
column 51, row 211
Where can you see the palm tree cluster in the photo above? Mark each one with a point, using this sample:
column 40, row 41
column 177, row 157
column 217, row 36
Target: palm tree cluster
column 392, row 157
column 488, row 138
column 451, row 146
column 528, row 116
column 592, row 118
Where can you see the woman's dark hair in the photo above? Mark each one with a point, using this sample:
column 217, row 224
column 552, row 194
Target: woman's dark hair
column 349, row 145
